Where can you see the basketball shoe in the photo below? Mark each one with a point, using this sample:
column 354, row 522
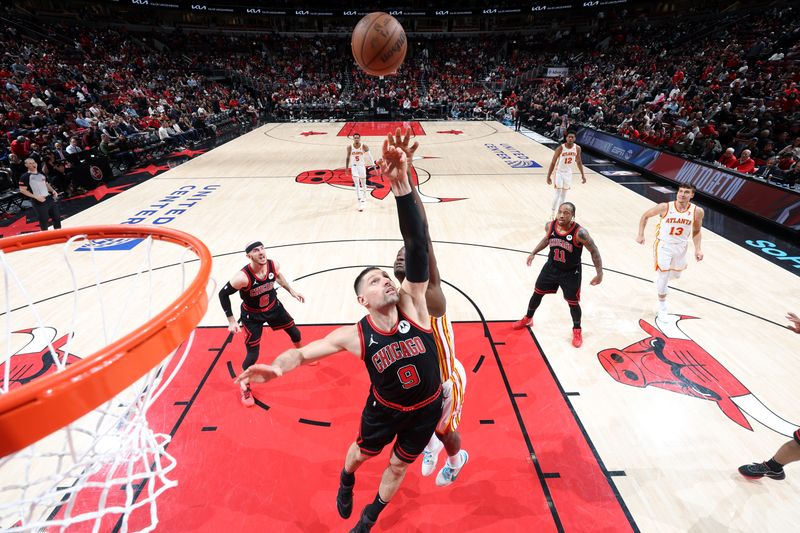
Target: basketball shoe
column 430, row 456
column 759, row 470
column 247, row 397
column 364, row 524
column 448, row 474
column 344, row 500
column 523, row 322
column 577, row 337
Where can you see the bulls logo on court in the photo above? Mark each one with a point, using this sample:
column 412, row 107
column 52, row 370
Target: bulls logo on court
column 378, row 186
column 34, row 360
column 669, row 359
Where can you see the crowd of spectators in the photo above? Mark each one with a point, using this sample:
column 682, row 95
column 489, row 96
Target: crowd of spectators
column 726, row 94
column 730, row 97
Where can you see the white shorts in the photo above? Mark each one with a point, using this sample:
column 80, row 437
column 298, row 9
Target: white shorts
column 453, row 400
column 359, row 171
column 670, row 256
column 563, row 181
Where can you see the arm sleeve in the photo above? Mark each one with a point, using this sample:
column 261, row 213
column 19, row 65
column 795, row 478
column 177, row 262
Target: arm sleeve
column 412, row 228
column 225, row 298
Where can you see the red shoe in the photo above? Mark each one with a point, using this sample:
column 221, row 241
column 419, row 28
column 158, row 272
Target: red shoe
column 577, row 337
column 247, row 397
column 523, row 322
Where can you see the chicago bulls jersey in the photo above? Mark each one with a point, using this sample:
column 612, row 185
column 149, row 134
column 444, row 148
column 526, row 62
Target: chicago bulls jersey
column 565, row 252
column 259, row 295
column 403, row 363
column 567, row 159
column 357, row 156
column 675, row 227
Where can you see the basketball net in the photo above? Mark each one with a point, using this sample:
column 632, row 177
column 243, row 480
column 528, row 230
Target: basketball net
column 106, row 469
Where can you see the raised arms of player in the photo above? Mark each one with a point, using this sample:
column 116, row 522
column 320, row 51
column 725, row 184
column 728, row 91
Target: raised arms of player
column 586, row 240
column 237, row 282
column 434, row 295
column 660, row 209
column 394, row 167
column 553, row 162
column 697, row 226
column 580, row 163
column 345, row 338
column 283, row 282
column 542, row 244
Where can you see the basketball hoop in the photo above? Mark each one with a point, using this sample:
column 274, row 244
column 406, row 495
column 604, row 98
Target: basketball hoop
column 70, row 436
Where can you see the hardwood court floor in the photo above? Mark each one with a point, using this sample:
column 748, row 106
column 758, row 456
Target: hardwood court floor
column 669, row 450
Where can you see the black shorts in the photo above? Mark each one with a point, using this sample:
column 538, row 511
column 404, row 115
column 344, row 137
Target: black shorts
column 551, row 278
column 413, row 429
column 797, row 436
column 276, row 318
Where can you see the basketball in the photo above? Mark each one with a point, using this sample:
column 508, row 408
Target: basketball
column 379, row 44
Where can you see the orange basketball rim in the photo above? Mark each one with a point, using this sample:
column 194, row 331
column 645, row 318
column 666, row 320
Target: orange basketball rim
column 39, row 408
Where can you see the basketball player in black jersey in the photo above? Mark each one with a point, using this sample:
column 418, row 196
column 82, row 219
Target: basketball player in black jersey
column 260, row 305
column 566, row 239
column 398, row 349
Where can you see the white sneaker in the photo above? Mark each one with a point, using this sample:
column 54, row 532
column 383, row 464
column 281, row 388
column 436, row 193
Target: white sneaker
column 360, row 206
column 429, row 460
column 448, row 474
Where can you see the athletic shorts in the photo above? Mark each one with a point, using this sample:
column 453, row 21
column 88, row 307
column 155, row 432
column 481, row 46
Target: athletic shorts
column 381, row 424
column 552, row 277
column 359, row 171
column 253, row 323
column 563, row 180
column 452, row 400
column 797, row 436
column 670, row 257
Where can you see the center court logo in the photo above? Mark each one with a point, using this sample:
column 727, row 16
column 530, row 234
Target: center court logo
column 511, row 156
column 379, row 188
column 163, row 211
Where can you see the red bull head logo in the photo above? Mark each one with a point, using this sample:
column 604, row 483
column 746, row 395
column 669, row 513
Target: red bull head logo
column 378, row 186
column 36, row 358
column 669, row 359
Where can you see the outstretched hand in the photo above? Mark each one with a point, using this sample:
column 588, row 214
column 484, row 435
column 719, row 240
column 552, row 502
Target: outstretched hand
column 795, row 322
column 394, row 165
column 258, row 374
column 401, row 141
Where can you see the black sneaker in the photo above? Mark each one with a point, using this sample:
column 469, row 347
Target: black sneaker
column 364, row 524
column 344, row 501
column 759, row 470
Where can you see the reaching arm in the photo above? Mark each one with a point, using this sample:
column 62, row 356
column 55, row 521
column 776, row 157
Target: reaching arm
column 434, row 295
column 394, row 167
column 660, row 209
column 341, row 339
column 580, row 164
column 697, row 226
column 588, row 242
column 553, row 162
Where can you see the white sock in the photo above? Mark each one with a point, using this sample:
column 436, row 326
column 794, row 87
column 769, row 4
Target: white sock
column 662, row 305
column 434, row 445
column 455, row 461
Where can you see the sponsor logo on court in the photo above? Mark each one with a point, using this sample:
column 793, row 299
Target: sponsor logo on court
column 378, row 187
column 771, row 249
column 35, row 359
column 511, row 156
column 670, row 360
column 163, row 211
